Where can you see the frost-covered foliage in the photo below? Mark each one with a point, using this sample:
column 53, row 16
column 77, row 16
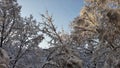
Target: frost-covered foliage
column 61, row 55
column 9, row 14
column 18, row 35
column 92, row 43
column 98, row 29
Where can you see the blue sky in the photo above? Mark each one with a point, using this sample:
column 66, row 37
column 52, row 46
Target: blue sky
column 63, row 11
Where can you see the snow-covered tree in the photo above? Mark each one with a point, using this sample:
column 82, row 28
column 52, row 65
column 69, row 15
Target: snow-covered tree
column 9, row 15
column 98, row 29
column 18, row 35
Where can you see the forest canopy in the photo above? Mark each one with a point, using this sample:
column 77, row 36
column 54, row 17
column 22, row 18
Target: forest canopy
column 94, row 40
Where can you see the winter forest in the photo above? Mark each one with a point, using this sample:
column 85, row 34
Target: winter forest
column 93, row 41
